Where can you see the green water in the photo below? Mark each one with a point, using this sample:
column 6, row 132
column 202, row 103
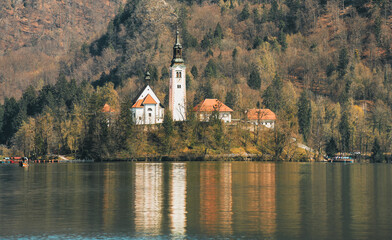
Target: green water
column 196, row 200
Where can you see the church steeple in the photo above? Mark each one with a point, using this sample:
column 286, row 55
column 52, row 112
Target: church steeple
column 177, row 51
column 177, row 85
column 147, row 77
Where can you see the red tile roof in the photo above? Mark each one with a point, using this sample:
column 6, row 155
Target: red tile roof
column 260, row 114
column 149, row 100
column 138, row 104
column 107, row 108
column 210, row 105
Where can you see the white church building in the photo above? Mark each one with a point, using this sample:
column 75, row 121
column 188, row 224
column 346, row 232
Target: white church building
column 177, row 85
column 147, row 108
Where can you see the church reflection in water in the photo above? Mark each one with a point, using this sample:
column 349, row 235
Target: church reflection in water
column 178, row 199
column 198, row 200
column 182, row 198
column 148, row 198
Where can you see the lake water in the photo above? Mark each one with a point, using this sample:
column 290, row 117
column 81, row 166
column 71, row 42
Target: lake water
column 196, row 200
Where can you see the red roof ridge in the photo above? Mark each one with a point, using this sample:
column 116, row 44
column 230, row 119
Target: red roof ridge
column 212, row 104
column 107, row 108
column 260, row 114
column 149, row 100
column 138, row 104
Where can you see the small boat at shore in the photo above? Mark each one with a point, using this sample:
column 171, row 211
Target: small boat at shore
column 340, row 159
column 23, row 164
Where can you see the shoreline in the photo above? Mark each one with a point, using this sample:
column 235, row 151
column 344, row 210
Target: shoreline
column 189, row 158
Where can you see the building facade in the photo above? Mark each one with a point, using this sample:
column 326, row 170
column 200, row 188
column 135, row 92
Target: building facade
column 263, row 117
column 147, row 108
column 177, row 85
column 207, row 107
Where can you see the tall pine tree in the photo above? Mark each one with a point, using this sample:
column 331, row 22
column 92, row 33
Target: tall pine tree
column 304, row 114
column 254, row 80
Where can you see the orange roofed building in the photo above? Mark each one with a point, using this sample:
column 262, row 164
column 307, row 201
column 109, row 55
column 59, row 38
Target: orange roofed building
column 108, row 109
column 147, row 108
column 261, row 116
column 208, row 106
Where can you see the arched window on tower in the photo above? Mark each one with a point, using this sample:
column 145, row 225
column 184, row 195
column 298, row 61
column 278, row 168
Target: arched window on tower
column 178, row 74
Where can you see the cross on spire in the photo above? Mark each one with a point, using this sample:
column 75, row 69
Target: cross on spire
column 177, row 50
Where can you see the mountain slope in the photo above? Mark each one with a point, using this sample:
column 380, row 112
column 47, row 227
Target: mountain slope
column 33, row 34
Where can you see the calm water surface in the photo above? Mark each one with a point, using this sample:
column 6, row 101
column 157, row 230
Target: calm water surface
column 196, row 200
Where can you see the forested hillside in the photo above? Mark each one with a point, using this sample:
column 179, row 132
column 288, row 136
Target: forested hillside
column 323, row 66
column 34, row 35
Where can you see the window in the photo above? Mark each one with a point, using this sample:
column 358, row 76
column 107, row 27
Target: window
column 178, row 74
column 149, row 115
column 149, row 109
column 140, row 118
column 178, row 86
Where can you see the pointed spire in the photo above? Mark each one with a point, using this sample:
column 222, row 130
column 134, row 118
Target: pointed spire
column 177, row 50
column 177, row 37
column 147, row 78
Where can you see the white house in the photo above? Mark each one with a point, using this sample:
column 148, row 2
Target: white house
column 147, row 108
column 177, row 85
column 208, row 106
column 263, row 117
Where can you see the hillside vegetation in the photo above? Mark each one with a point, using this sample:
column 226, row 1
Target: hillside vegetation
column 34, row 35
column 323, row 66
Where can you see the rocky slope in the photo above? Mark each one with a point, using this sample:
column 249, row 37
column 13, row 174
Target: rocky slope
column 34, row 33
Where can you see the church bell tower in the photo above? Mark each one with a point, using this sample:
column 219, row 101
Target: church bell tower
column 177, row 87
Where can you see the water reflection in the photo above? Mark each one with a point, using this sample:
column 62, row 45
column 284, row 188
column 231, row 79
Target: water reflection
column 254, row 199
column 178, row 199
column 216, row 199
column 197, row 200
column 148, row 198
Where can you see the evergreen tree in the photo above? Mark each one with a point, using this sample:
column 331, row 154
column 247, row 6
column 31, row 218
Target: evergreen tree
column 330, row 69
column 282, row 40
column 93, row 146
column 46, row 98
column 272, row 96
column 274, row 14
column 206, row 42
column 164, row 73
column 231, row 99
column 254, row 80
column 209, row 53
column 211, row 69
column 153, row 72
column 11, row 121
column 234, row 54
column 1, row 120
column 168, row 130
column 218, row 33
column 125, row 128
column 29, row 101
column 377, row 155
column 343, row 62
column 194, row 72
column 207, row 90
column 168, row 124
column 377, row 28
column 331, row 149
column 257, row 42
column 304, row 114
column 188, row 81
column 345, row 131
column 244, row 13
